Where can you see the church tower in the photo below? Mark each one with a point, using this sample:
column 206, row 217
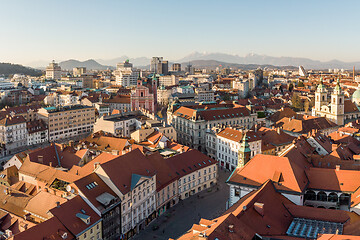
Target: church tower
column 244, row 152
column 154, row 87
column 337, row 104
column 320, row 96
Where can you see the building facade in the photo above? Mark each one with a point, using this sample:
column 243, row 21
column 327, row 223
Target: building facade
column 141, row 98
column 68, row 121
column 191, row 124
column 53, row 71
column 125, row 74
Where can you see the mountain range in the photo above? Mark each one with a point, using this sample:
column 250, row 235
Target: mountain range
column 228, row 59
column 89, row 64
column 268, row 60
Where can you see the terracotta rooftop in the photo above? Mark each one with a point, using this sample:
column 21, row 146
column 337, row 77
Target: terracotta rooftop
column 57, row 155
column 188, row 162
column 304, row 126
column 237, row 136
column 287, row 175
column 8, row 121
column 42, row 202
column 133, row 162
column 67, row 212
column 50, row 229
column 91, row 186
column 333, row 179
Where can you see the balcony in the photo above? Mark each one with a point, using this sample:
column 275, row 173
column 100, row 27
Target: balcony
column 321, row 204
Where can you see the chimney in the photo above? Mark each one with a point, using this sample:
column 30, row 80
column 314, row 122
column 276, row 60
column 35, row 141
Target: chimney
column 50, row 164
column 231, row 228
column 337, row 167
column 278, row 130
column 57, row 204
column 259, row 208
column 41, row 159
column 96, row 165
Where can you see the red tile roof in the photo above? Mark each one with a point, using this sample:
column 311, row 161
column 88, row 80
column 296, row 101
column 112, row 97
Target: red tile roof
column 66, row 214
column 50, row 229
column 188, row 162
column 133, row 162
column 288, row 175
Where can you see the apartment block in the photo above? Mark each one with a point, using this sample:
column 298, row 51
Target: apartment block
column 68, row 121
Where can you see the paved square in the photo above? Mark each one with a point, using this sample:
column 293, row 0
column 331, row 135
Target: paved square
column 177, row 220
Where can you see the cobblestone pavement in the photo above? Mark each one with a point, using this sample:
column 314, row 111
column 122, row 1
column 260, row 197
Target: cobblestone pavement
column 178, row 219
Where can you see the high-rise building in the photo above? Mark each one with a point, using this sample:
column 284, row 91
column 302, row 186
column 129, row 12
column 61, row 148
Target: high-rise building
column 190, row 69
column 176, row 67
column 163, row 68
column 53, row 71
column 125, row 74
column 155, row 61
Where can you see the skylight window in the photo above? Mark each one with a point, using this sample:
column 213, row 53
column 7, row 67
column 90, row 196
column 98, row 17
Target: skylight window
column 309, row 228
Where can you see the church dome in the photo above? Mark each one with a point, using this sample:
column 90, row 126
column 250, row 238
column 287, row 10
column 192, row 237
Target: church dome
column 356, row 97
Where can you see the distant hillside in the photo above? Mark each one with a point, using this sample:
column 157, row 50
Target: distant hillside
column 9, row 68
column 89, row 64
column 264, row 60
column 212, row 64
column 137, row 62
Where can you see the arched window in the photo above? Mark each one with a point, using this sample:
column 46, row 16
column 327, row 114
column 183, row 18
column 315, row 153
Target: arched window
column 323, row 98
column 340, row 100
column 344, row 199
column 321, row 196
column 141, row 94
column 333, row 197
column 310, row 195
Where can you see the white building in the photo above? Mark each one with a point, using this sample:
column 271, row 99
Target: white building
column 13, row 133
column 53, row 71
column 125, row 74
column 205, row 96
column 192, row 124
column 117, row 125
column 242, row 85
column 59, row 99
column 136, row 188
column 169, row 80
column 302, row 71
column 37, row 132
column 228, row 143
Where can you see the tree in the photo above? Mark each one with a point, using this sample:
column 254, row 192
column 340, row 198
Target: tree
column 291, row 87
column 301, row 84
column 306, row 106
column 296, row 102
column 226, row 97
column 261, row 114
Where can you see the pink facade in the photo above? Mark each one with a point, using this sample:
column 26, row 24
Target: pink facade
column 142, row 98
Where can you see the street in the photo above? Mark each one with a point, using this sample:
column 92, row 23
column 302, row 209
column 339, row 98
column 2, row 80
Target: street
column 177, row 220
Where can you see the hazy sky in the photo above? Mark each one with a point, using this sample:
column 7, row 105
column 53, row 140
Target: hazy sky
column 32, row 30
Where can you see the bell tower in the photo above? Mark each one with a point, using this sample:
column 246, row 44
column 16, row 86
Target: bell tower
column 320, row 96
column 337, row 104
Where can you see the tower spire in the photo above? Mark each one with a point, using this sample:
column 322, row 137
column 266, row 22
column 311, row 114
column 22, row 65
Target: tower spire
column 244, row 151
